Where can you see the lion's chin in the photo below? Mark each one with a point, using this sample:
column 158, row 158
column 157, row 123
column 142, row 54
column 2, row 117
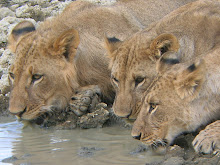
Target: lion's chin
column 25, row 117
column 39, row 119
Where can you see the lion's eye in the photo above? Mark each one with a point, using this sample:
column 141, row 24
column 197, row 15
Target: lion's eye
column 36, row 77
column 152, row 107
column 12, row 76
column 115, row 80
column 139, row 80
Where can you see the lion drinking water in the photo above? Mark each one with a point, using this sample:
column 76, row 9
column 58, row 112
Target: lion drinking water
column 189, row 31
column 180, row 100
column 65, row 53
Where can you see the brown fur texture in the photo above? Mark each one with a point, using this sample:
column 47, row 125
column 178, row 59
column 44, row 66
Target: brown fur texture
column 189, row 31
column 66, row 52
column 180, row 100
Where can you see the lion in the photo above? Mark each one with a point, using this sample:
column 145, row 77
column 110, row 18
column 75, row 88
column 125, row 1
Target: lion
column 182, row 99
column 65, row 53
column 190, row 31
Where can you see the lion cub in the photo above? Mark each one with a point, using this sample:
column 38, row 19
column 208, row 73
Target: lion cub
column 65, row 53
column 181, row 100
column 189, row 31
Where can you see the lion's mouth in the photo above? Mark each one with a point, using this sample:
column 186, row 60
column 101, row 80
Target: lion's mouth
column 19, row 115
column 25, row 110
column 28, row 118
column 38, row 121
column 50, row 117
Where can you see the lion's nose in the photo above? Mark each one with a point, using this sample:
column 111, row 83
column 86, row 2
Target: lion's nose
column 20, row 113
column 124, row 116
column 138, row 137
column 128, row 116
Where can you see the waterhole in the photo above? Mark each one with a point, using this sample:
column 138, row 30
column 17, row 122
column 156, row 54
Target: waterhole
column 100, row 146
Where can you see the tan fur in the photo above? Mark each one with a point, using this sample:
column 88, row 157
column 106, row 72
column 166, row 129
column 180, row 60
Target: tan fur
column 181, row 100
column 66, row 52
column 189, row 31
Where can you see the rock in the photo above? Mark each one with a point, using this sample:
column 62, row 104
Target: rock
column 4, row 101
column 103, row 2
column 174, row 151
column 139, row 149
column 174, row 161
column 94, row 119
column 5, row 61
column 70, row 123
column 35, row 12
column 10, row 159
column 5, row 12
column 4, row 3
column 88, row 151
column 19, row 1
column 204, row 160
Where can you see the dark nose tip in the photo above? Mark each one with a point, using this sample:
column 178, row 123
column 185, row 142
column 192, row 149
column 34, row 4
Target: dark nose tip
column 137, row 137
column 128, row 116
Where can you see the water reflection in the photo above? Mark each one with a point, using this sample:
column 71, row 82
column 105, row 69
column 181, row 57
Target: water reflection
column 10, row 131
column 112, row 145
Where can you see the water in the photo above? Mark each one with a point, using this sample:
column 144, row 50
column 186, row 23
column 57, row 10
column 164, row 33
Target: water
column 103, row 146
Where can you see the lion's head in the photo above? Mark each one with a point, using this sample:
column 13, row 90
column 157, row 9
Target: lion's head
column 43, row 75
column 133, row 67
column 167, row 110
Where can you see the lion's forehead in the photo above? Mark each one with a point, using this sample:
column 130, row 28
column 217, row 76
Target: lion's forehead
column 130, row 60
column 26, row 60
column 33, row 46
column 160, row 86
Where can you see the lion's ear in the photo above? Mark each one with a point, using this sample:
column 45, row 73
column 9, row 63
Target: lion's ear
column 18, row 32
column 66, row 44
column 164, row 43
column 166, row 61
column 189, row 82
column 111, row 44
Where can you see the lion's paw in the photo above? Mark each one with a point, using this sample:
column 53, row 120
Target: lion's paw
column 85, row 100
column 208, row 140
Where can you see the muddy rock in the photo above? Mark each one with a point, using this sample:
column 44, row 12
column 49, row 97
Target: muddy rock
column 94, row 119
column 204, row 160
column 139, row 149
column 10, row 159
column 67, row 119
column 88, row 151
